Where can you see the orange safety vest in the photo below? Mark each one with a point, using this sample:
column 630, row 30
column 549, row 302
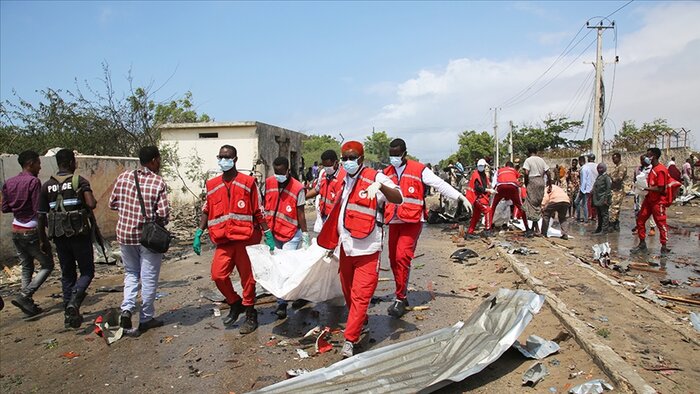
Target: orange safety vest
column 508, row 175
column 329, row 191
column 360, row 212
column 281, row 207
column 230, row 209
column 412, row 209
column 471, row 192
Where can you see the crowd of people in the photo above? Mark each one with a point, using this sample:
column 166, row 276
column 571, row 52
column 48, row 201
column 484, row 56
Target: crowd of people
column 356, row 206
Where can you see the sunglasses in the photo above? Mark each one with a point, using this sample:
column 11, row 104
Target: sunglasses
column 346, row 158
column 224, row 157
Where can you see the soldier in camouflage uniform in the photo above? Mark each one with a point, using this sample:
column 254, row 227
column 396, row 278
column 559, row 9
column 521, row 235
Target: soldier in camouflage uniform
column 618, row 174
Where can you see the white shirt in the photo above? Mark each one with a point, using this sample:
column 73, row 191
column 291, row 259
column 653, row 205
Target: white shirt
column 432, row 180
column 373, row 242
column 536, row 166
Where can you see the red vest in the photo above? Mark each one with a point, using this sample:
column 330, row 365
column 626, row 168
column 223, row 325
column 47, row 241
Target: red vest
column 412, row 209
column 508, row 175
column 281, row 207
column 360, row 212
column 471, row 192
column 230, row 211
column 329, row 190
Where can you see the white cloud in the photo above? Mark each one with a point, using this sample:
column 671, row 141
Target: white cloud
column 656, row 77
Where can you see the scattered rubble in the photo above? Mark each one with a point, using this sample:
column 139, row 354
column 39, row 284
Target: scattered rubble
column 536, row 347
column 534, row 374
column 596, row 386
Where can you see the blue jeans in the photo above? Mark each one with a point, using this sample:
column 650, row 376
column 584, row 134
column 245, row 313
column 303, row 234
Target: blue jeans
column 582, row 203
column 28, row 250
column 140, row 265
column 292, row 244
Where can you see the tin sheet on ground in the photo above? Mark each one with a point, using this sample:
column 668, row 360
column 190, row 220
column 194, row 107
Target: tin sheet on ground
column 429, row 362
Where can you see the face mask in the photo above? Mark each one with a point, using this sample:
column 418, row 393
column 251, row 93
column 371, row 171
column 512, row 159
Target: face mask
column 351, row 166
column 647, row 161
column 480, row 168
column 226, row 164
column 281, row 178
column 329, row 170
column 395, row 161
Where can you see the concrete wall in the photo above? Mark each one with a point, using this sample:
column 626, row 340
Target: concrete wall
column 276, row 141
column 189, row 142
column 630, row 159
column 258, row 145
column 101, row 172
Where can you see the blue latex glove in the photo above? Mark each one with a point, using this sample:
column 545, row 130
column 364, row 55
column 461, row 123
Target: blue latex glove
column 197, row 243
column 305, row 240
column 269, row 240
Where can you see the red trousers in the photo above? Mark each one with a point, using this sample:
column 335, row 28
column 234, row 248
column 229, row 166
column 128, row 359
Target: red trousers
column 228, row 256
column 481, row 205
column 358, row 277
column 403, row 238
column 658, row 211
column 510, row 192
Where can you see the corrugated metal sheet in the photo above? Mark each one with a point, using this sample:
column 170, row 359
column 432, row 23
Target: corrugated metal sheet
column 431, row 361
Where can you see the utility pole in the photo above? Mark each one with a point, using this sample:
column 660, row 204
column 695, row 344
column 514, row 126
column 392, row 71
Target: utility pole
column 597, row 148
column 510, row 141
column 495, row 134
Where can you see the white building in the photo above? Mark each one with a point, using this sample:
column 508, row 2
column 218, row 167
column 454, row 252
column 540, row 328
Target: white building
column 193, row 148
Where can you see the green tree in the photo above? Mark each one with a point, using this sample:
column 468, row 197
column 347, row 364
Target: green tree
column 315, row 145
column 545, row 137
column 98, row 122
column 632, row 138
column 377, row 147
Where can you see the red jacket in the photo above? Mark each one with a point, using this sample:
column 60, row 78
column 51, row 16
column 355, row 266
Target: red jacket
column 329, row 191
column 471, row 193
column 360, row 212
column 230, row 211
column 281, row 207
column 412, row 210
column 508, row 175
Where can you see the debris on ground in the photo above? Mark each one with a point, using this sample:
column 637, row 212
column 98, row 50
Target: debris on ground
column 211, row 295
column 322, row 345
column 296, row 372
column 595, row 386
column 460, row 255
column 621, row 266
column 651, row 296
column 50, row 343
column 70, row 355
column 601, row 253
column 108, row 328
column 679, row 299
column 523, row 251
column 695, row 321
column 534, row 374
column 474, row 344
column 109, row 289
column 536, row 347
column 161, row 295
column 302, row 353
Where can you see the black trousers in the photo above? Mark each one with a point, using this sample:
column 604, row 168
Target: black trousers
column 75, row 253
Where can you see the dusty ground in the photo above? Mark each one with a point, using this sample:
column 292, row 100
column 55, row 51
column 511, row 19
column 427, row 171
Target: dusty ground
column 193, row 352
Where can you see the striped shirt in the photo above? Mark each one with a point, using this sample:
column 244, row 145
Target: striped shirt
column 125, row 199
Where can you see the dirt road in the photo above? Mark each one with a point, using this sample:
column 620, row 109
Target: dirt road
column 193, row 352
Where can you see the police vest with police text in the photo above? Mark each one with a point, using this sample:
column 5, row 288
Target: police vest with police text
column 412, row 209
column 67, row 216
column 230, row 208
column 281, row 207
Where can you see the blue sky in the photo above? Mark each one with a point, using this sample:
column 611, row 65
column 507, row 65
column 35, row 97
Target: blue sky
column 422, row 70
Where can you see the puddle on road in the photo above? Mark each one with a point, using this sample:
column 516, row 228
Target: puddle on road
column 684, row 242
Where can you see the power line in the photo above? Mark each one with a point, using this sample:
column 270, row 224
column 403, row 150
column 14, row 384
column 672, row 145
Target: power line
column 625, row 5
column 612, row 87
column 554, row 78
column 579, row 94
column 561, row 55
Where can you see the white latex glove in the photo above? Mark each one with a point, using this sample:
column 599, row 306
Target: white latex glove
column 466, row 203
column 373, row 189
column 492, row 191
